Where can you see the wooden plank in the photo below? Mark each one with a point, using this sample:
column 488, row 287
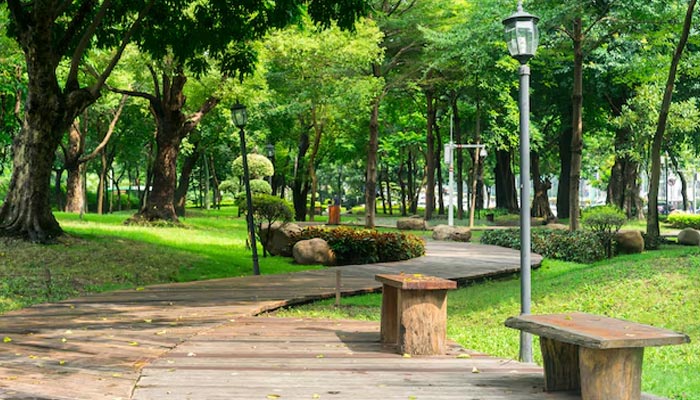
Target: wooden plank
column 594, row 331
column 415, row 282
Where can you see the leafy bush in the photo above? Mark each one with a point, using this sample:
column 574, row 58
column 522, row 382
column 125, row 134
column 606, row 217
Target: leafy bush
column 579, row 246
column 605, row 222
column 681, row 220
column 365, row 246
column 267, row 210
column 259, row 166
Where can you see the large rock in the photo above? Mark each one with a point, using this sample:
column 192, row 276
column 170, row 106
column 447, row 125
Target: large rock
column 455, row 233
column 689, row 237
column 629, row 242
column 411, row 224
column 280, row 243
column 313, row 251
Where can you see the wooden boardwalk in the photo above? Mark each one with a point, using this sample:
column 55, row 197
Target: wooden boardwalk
column 276, row 358
column 181, row 341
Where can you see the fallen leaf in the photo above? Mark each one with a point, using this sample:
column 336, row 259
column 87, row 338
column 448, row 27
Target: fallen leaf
column 464, row 356
column 475, row 370
column 63, row 340
column 316, row 396
column 273, row 396
column 406, row 355
column 320, row 356
column 148, row 321
column 7, row 339
column 160, row 333
column 133, row 343
column 191, row 354
column 61, row 362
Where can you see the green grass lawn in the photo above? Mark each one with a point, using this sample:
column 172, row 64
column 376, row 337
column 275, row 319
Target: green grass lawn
column 660, row 288
column 100, row 253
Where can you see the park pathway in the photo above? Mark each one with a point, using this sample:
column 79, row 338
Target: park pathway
column 198, row 340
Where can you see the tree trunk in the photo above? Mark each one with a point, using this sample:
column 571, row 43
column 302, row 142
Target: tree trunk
column 371, row 173
column 183, row 185
column 653, row 213
column 75, row 195
column 388, row 191
column 26, row 211
column 623, row 187
column 173, row 126
column 540, row 202
column 318, row 132
column 430, row 156
column 506, row 195
column 563, row 191
column 300, row 187
column 684, row 182
column 577, row 127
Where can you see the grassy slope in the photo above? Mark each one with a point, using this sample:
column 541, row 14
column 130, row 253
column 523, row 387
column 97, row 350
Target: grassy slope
column 101, row 253
column 659, row 288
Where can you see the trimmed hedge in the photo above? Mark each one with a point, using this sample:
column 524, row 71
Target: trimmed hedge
column 579, row 246
column 365, row 246
column 679, row 219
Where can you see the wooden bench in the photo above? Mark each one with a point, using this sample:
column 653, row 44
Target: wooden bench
column 414, row 312
column 599, row 356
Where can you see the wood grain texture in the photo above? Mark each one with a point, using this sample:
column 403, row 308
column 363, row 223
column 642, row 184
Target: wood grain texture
column 423, row 326
column 611, row 374
column 561, row 365
column 595, row 331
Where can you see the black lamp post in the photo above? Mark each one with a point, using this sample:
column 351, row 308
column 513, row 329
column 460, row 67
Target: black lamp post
column 270, row 148
column 522, row 38
column 239, row 114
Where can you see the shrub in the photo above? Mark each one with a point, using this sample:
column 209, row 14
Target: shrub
column 267, row 210
column 682, row 220
column 365, row 246
column 259, row 166
column 579, row 246
column 605, row 222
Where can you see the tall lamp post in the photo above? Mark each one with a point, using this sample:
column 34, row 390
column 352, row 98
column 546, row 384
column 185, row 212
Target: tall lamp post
column 271, row 156
column 239, row 114
column 522, row 38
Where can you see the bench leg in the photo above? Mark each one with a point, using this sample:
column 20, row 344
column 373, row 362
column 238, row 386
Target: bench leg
column 390, row 315
column 561, row 365
column 611, row 374
column 423, row 316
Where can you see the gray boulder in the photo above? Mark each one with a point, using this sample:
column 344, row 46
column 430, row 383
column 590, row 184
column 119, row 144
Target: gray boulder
column 411, row 224
column 454, row 233
column 629, row 242
column 281, row 239
column 313, row 251
column 689, row 237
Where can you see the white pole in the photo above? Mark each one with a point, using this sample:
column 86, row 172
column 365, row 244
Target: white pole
column 450, row 206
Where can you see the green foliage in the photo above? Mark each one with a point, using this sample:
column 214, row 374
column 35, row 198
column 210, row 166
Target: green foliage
column 259, row 166
column 605, row 222
column 681, row 220
column 260, row 186
column 365, row 246
column 578, row 246
column 267, row 210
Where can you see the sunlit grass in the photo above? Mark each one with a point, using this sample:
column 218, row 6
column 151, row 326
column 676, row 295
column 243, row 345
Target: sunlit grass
column 658, row 288
column 100, row 253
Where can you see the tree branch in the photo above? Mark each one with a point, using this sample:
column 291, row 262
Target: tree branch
column 125, row 40
column 108, row 135
column 72, row 79
column 20, row 16
column 75, row 23
column 154, row 77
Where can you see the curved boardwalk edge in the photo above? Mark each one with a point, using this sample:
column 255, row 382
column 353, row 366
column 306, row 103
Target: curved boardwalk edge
column 96, row 346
